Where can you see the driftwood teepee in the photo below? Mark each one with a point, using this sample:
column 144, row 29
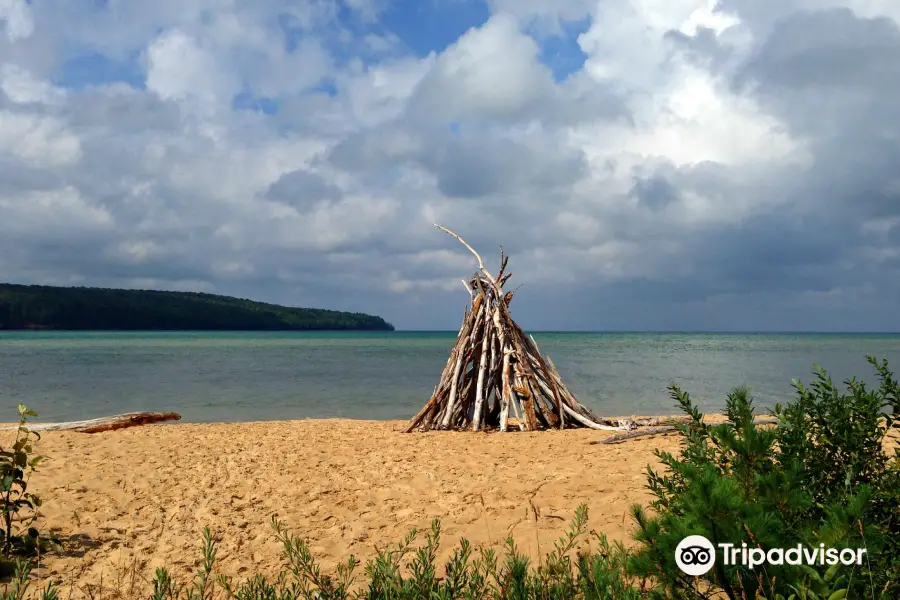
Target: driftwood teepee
column 495, row 369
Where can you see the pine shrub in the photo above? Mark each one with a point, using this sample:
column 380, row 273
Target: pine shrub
column 821, row 476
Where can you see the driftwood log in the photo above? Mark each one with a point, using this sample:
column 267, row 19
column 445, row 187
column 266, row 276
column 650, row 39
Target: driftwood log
column 635, row 422
column 105, row 423
column 662, row 430
column 495, row 377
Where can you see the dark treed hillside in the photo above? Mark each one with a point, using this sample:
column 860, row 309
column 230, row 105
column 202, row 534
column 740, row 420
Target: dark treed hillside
column 96, row 309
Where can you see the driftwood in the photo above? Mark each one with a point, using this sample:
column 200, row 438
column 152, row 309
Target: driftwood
column 630, row 435
column 495, row 377
column 635, row 422
column 105, row 423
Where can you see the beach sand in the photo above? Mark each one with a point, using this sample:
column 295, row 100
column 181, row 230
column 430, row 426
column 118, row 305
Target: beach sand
column 128, row 501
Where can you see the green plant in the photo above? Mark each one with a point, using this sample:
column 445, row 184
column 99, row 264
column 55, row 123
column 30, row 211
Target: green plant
column 820, row 477
column 409, row 572
column 830, row 586
column 18, row 506
column 19, row 587
column 166, row 588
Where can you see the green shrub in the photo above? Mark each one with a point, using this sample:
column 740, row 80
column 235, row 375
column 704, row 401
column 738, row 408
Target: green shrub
column 20, row 587
column 18, row 506
column 820, row 477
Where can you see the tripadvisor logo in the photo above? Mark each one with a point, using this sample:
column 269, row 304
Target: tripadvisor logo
column 695, row 555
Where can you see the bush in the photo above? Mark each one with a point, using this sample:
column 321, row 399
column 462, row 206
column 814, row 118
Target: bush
column 18, row 506
column 820, row 477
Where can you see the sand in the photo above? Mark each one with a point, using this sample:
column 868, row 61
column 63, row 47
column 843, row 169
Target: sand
column 129, row 501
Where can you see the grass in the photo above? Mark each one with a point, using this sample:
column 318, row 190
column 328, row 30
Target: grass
column 407, row 571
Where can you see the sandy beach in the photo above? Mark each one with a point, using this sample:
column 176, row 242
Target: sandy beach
column 132, row 500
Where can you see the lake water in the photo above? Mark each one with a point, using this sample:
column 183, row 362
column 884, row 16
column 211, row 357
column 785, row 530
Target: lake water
column 268, row 376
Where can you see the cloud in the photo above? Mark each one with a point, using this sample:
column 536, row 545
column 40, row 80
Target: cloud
column 695, row 165
column 478, row 165
column 546, row 16
column 179, row 69
column 38, row 141
column 491, row 68
column 20, row 87
column 17, row 19
column 302, row 188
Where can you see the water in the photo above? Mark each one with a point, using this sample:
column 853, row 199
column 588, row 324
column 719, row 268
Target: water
column 268, row 376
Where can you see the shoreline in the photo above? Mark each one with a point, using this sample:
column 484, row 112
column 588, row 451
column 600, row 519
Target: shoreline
column 714, row 417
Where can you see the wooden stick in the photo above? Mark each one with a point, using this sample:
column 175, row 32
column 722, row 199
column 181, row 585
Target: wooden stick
column 477, row 304
column 567, row 395
column 649, row 421
column 516, row 402
column 105, row 423
column 505, row 397
column 503, row 262
column 451, row 361
column 506, row 394
column 478, row 256
column 482, row 372
column 542, row 364
column 414, row 422
column 575, row 414
column 591, row 424
column 545, row 386
column 621, row 437
column 454, row 385
column 525, row 374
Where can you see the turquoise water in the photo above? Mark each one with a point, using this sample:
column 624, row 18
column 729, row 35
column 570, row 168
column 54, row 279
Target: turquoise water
column 264, row 376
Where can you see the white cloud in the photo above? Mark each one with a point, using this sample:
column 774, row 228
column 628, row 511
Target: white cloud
column 41, row 141
column 490, row 72
column 695, row 119
column 21, row 87
column 180, row 69
column 16, row 15
column 695, row 157
column 368, row 10
column 380, row 94
column 60, row 213
column 546, row 15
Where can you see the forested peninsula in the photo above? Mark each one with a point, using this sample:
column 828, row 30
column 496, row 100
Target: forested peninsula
column 99, row 309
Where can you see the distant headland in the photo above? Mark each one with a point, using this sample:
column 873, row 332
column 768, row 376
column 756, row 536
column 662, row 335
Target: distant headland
column 40, row 307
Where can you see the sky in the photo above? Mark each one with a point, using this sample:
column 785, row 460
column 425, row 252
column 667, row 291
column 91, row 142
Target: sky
column 646, row 164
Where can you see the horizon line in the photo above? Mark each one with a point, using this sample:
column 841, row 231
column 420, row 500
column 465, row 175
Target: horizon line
column 529, row 331
column 680, row 331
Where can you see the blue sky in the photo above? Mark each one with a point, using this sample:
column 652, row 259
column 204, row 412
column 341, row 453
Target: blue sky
column 426, row 27
column 419, row 28
column 685, row 165
column 94, row 68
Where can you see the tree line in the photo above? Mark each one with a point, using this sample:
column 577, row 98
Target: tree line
column 97, row 309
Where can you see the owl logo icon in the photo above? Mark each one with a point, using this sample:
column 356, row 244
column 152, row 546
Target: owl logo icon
column 695, row 555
